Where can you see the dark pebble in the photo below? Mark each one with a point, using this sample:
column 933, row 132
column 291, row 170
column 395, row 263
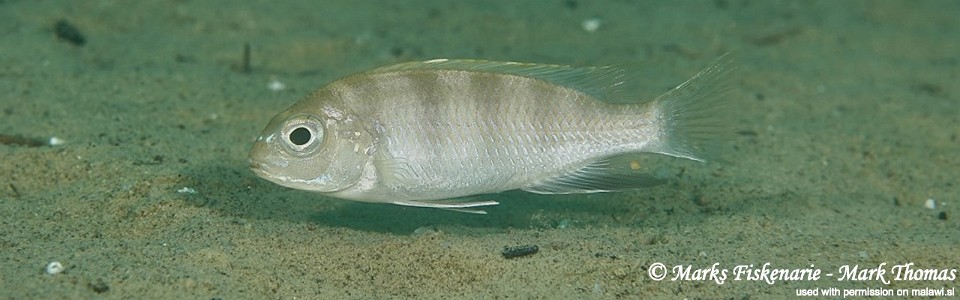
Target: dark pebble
column 100, row 287
column 518, row 251
column 67, row 32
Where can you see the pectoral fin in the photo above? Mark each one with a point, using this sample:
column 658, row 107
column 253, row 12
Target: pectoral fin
column 396, row 170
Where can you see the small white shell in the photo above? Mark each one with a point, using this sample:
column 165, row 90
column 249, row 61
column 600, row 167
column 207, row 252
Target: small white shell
column 187, row 190
column 53, row 268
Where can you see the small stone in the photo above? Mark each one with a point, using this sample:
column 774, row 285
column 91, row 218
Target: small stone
column 518, row 251
column 276, row 85
column 69, row 33
column 55, row 141
column 591, row 24
column 930, row 203
column 100, row 287
column 425, row 230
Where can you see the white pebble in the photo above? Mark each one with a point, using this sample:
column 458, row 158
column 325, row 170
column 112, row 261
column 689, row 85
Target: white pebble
column 187, row 190
column 53, row 268
column 931, row 204
column 425, row 230
column 276, row 85
column 597, row 288
column 591, row 24
column 54, row 141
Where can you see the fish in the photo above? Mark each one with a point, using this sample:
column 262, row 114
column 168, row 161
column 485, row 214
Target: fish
column 442, row 133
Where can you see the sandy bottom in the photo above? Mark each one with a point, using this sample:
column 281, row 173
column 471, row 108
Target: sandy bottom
column 845, row 152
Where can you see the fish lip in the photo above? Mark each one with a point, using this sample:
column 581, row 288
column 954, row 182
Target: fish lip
column 257, row 168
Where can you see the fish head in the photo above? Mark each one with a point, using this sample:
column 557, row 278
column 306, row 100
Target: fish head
column 322, row 150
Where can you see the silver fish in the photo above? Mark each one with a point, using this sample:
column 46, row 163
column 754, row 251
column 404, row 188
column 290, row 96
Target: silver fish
column 432, row 133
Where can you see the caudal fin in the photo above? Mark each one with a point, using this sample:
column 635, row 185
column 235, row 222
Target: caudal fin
column 692, row 116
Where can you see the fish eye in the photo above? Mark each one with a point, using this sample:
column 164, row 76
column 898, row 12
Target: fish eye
column 300, row 136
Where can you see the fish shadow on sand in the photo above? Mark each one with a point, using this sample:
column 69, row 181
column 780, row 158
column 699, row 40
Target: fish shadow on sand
column 237, row 192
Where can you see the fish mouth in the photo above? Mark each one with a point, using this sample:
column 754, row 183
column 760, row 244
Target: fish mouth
column 260, row 170
column 257, row 168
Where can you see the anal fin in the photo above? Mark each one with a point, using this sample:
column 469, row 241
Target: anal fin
column 597, row 177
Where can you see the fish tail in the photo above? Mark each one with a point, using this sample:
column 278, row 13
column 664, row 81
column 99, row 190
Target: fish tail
column 691, row 115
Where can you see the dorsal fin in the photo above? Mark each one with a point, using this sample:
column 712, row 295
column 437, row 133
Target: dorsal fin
column 603, row 83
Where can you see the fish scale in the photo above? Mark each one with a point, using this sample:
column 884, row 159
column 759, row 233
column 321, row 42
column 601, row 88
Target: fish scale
column 518, row 127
